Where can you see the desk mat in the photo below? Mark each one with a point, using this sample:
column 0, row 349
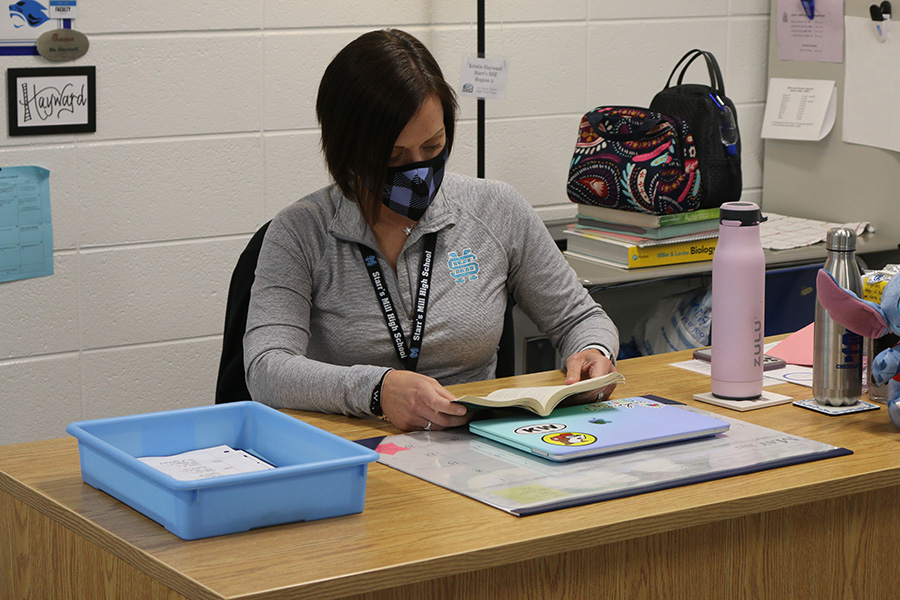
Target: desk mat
column 523, row 484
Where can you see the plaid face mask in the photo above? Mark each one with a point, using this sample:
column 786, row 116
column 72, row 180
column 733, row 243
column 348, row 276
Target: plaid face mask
column 410, row 189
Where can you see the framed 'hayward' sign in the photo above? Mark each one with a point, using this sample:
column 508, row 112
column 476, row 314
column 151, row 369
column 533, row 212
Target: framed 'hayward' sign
column 51, row 100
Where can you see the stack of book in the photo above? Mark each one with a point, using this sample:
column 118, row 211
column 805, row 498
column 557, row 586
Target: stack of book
column 632, row 240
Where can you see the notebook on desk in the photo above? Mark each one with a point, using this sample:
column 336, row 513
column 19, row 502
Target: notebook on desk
column 599, row 428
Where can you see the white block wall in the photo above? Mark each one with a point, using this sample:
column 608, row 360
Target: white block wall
column 206, row 128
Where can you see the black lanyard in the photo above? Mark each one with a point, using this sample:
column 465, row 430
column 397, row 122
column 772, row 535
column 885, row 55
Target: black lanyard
column 409, row 355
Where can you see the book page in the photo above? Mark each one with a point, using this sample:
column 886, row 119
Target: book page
column 539, row 393
column 543, row 393
column 206, row 463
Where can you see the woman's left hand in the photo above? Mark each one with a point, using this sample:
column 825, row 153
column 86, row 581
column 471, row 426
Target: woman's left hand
column 587, row 364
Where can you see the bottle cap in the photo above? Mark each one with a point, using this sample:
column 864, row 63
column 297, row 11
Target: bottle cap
column 742, row 214
column 841, row 239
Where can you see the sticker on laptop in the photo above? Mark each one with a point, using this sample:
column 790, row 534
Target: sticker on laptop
column 569, row 438
column 632, row 402
column 539, row 428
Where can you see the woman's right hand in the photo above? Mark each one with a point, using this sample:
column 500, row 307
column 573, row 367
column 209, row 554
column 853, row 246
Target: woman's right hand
column 413, row 401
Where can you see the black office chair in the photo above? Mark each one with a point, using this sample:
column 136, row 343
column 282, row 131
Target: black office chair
column 231, row 385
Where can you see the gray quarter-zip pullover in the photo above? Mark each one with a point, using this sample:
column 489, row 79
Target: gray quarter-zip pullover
column 316, row 336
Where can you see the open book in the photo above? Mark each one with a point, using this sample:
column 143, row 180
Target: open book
column 541, row 400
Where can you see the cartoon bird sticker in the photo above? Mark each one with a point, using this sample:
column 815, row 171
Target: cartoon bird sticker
column 569, row 438
column 28, row 12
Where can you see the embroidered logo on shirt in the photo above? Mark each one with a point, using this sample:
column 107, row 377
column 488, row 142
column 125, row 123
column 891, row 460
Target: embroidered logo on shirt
column 463, row 267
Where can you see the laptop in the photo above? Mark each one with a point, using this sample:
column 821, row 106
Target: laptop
column 598, row 428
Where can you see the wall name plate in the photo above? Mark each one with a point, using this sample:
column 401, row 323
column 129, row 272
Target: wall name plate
column 61, row 45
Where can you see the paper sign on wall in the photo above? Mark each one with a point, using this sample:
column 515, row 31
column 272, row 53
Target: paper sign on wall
column 483, row 78
column 872, row 85
column 811, row 30
column 26, row 234
column 799, row 109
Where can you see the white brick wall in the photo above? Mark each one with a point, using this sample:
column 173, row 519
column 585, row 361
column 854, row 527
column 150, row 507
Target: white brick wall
column 206, row 128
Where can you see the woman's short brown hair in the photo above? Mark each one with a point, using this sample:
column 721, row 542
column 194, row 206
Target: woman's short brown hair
column 368, row 93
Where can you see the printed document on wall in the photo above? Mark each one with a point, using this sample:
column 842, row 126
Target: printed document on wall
column 810, row 30
column 872, row 85
column 799, row 109
column 26, row 231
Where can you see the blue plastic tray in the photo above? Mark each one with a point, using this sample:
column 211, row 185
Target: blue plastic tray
column 317, row 475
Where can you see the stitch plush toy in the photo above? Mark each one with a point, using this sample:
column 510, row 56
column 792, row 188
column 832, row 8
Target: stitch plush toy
column 869, row 320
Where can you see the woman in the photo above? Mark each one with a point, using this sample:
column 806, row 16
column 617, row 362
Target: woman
column 347, row 275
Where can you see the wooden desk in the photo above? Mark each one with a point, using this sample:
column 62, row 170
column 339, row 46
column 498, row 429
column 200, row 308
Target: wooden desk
column 826, row 529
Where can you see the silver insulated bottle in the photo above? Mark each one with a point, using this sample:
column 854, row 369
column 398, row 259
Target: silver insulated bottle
column 837, row 352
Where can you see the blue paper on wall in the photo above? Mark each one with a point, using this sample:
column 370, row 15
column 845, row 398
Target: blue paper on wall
column 26, row 230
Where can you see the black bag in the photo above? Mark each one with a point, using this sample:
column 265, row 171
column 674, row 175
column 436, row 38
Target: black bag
column 713, row 121
column 634, row 159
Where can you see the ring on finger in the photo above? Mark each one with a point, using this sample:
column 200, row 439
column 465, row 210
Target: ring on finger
column 428, row 427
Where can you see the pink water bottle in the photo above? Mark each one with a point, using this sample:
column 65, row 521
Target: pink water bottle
column 738, row 303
